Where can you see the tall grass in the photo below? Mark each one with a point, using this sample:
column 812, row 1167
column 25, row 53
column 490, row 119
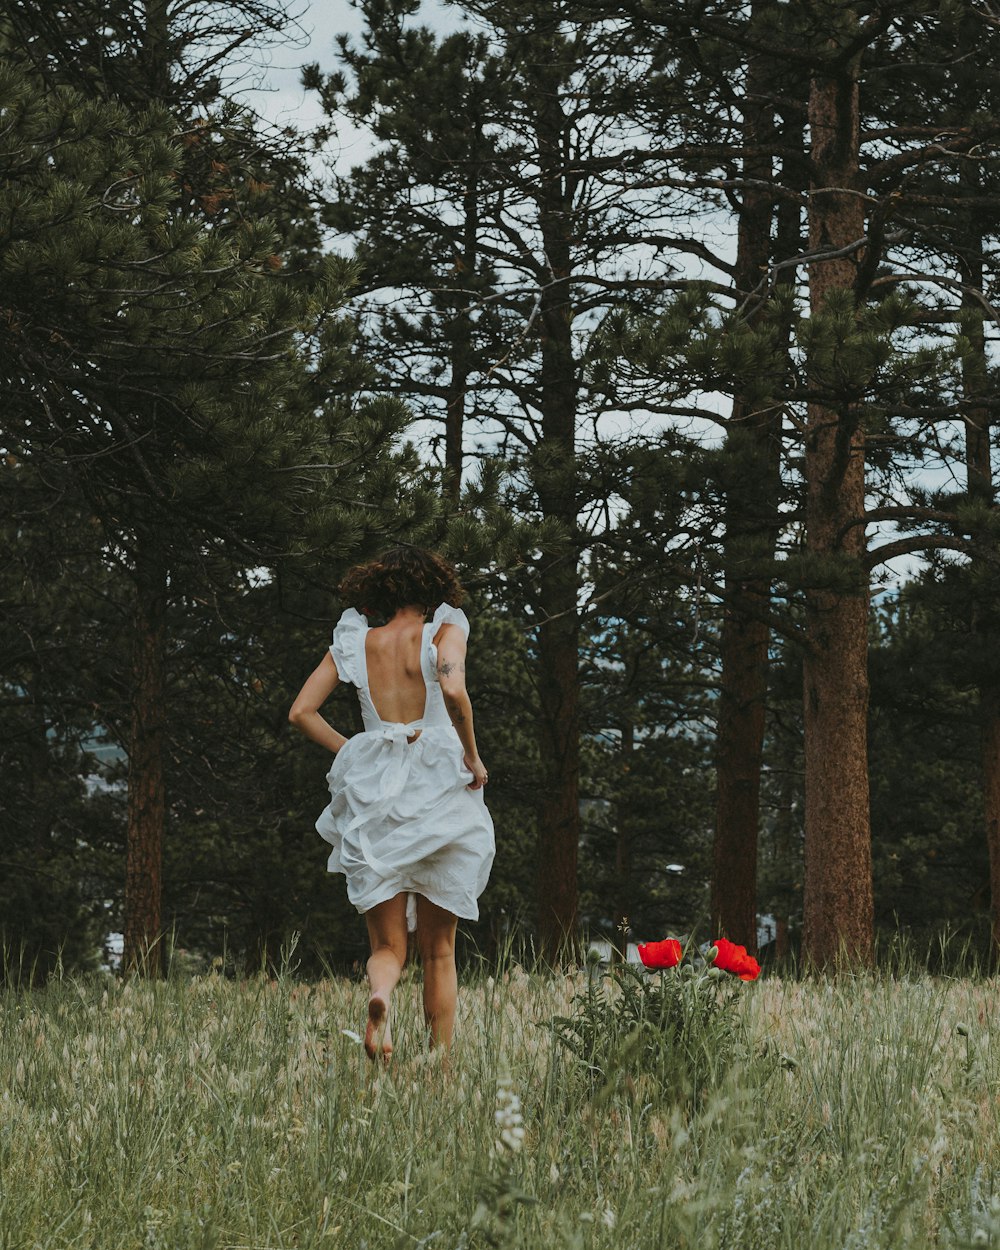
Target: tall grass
column 206, row 1113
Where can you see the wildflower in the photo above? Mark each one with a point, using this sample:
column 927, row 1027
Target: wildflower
column 732, row 958
column 508, row 1118
column 665, row 954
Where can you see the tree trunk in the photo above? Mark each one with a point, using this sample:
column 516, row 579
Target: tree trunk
column 623, row 839
column 155, row 54
column 743, row 645
column 980, row 487
column 454, row 427
column 754, row 441
column 146, row 805
column 460, row 343
column 838, row 908
column 785, row 837
column 559, row 630
column 989, row 705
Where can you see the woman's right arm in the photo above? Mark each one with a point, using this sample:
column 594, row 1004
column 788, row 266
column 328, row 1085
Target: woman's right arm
column 451, row 675
column 304, row 712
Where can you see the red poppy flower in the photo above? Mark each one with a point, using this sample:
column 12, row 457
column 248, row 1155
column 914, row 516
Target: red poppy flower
column 733, row 958
column 665, row 954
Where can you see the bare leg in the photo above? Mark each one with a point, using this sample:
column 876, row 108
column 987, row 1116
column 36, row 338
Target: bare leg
column 387, row 936
column 436, row 940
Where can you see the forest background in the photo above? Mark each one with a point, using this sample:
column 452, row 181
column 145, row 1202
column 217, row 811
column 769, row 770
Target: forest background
column 672, row 325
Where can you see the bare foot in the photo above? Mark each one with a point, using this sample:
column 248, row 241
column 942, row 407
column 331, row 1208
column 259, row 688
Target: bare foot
column 378, row 1037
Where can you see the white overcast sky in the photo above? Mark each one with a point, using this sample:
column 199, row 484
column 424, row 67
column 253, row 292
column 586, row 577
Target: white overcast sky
column 282, row 99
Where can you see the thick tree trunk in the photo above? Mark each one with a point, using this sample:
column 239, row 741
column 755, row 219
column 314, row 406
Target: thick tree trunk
column 838, row 906
column 739, row 747
column 146, row 806
column 754, row 441
column 559, row 829
column 989, row 707
column 980, row 487
column 559, row 630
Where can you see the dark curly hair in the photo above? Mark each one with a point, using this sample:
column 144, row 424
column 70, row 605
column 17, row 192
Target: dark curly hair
column 400, row 577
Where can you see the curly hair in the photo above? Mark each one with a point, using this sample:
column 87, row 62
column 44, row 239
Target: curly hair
column 399, row 578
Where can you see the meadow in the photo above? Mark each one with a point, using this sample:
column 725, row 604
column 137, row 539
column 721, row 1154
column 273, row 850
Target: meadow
column 211, row 1112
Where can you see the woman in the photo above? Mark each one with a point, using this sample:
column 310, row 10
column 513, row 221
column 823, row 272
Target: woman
column 406, row 818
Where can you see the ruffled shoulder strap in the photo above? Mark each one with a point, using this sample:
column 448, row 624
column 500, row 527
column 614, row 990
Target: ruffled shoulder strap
column 348, row 647
column 447, row 615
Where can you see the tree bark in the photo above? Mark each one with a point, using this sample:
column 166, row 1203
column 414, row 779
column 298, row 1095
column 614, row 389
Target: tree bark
column 146, row 804
column 989, row 706
column 785, row 832
column 754, row 441
column 980, row 487
column 555, row 477
column 623, row 838
column 460, row 343
column 838, row 907
column 155, row 54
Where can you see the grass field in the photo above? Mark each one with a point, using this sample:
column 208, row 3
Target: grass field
column 211, row 1112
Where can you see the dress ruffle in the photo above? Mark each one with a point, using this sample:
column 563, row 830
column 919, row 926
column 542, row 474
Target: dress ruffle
column 429, row 835
column 347, row 647
column 445, row 615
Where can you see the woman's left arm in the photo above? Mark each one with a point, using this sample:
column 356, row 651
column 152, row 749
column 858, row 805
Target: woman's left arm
column 304, row 712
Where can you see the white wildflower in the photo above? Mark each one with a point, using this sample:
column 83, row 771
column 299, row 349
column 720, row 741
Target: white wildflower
column 354, row 1037
column 508, row 1118
column 609, row 1219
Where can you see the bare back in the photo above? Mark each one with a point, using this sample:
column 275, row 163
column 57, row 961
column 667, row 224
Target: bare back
column 395, row 682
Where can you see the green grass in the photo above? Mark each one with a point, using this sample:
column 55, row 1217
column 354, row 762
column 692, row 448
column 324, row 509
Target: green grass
column 209, row 1112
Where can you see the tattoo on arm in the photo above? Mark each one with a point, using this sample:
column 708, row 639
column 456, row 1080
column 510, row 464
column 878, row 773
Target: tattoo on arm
column 446, row 668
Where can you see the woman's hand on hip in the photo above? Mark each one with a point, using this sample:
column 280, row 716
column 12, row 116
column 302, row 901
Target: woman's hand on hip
column 478, row 769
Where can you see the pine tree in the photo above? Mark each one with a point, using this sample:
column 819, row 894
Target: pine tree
column 555, row 207
column 165, row 373
column 862, row 371
column 954, row 204
column 431, row 103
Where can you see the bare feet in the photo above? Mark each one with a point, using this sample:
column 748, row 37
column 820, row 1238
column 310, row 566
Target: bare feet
column 378, row 1037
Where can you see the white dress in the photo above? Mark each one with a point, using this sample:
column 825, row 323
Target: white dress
column 401, row 816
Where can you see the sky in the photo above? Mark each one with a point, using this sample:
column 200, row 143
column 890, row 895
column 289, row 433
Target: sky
column 281, row 98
